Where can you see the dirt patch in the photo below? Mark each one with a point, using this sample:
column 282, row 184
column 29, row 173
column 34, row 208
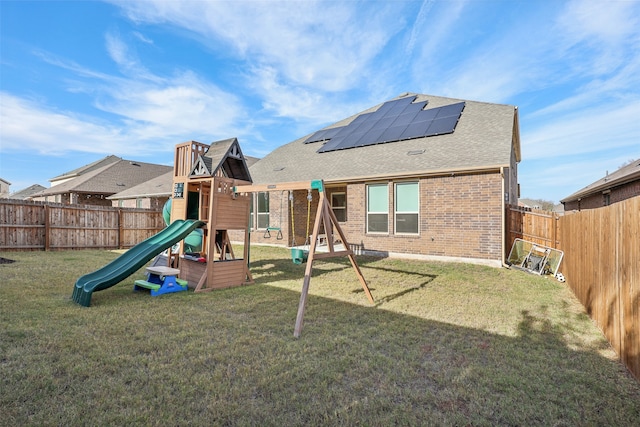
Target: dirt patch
column 6, row 261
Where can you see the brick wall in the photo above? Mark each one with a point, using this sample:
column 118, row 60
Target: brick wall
column 597, row 200
column 460, row 216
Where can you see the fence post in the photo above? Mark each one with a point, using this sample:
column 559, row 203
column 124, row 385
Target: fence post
column 47, row 226
column 120, row 231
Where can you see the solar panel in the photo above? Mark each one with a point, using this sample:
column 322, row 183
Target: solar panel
column 415, row 130
column 370, row 137
column 392, row 133
column 395, row 120
column 450, row 110
column 405, row 118
column 441, row 126
column 323, row 135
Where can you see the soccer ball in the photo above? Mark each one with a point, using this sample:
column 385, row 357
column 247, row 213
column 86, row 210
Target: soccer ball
column 560, row 277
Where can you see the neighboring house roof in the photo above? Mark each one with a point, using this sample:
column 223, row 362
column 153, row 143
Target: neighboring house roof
column 5, row 181
column 528, row 203
column 484, row 138
column 86, row 168
column 625, row 174
column 109, row 179
column 27, row 192
column 156, row 187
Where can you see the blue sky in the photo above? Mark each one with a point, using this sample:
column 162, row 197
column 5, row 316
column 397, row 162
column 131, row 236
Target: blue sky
column 84, row 79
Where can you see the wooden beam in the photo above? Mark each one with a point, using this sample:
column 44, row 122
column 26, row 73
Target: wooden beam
column 284, row 186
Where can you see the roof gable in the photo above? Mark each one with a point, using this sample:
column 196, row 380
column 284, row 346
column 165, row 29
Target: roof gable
column 223, row 158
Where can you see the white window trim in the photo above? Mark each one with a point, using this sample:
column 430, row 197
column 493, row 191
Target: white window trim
column 366, row 209
column 395, row 209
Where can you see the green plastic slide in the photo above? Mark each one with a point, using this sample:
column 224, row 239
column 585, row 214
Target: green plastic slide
column 131, row 261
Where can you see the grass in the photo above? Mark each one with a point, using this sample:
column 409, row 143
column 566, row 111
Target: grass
column 445, row 344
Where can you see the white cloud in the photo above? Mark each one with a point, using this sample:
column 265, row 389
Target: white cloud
column 29, row 126
column 152, row 112
column 601, row 128
column 316, row 47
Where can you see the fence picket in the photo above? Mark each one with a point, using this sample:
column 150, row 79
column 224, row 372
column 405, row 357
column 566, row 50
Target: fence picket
column 29, row 226
column 601, row 264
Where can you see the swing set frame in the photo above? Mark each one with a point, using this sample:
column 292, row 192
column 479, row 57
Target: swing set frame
column 324, row 217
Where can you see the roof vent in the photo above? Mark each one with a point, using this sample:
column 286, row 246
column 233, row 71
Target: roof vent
column 278, row 169
column 415, row 152
column 134, row 163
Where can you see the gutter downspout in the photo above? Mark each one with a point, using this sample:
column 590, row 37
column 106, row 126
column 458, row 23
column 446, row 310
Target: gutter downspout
column 503, row 222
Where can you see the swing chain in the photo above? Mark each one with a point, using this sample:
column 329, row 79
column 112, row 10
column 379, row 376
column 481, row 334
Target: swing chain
column 309, row 198
column 293, row 222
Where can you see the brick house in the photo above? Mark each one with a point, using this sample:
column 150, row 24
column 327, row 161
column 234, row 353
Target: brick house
column 152, row 194
column 93, row 183
column 613, row 187
column 398, row 188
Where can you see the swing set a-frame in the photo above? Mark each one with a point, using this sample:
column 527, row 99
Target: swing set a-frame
column 324, row 219
column 212, row 184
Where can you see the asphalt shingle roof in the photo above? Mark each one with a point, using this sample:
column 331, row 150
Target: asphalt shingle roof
column 630, row 172
column 87, row 168
column 110, row 179
column 483, row 138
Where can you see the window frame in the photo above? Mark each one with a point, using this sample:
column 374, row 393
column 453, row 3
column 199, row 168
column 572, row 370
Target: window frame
column 339, row 208
column 368, row 213
column 261, row 214
column 396, row 210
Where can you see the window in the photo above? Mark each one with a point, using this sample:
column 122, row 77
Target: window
column 606, row 198
column 377, row 208
column 263, row 210
column 339, row 206
column 252, row 223
column 407, row 207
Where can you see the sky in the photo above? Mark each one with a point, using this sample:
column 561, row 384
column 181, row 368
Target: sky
column 80, row 80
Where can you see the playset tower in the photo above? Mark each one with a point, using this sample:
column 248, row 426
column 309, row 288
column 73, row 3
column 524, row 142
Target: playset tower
column 204, row 178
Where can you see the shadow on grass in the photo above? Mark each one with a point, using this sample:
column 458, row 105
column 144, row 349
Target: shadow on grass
column 266, row 271
column 228, row 357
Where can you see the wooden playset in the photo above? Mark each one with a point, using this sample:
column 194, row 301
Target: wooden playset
column 203, row 180
column 211, row 183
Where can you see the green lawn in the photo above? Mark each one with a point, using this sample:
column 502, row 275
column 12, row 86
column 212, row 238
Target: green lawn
column 444, row 344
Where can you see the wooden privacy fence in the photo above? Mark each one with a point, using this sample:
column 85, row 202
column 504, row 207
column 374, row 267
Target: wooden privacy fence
column 602, row 267
column 32, row 226
column 601, row 264
column 532, row 225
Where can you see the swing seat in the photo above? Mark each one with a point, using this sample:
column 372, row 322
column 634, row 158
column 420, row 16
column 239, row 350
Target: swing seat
column 268, row 230
column 298, row 256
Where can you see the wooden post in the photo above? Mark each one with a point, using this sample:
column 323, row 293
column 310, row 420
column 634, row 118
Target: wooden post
column 47, row 227
column 308, row 269
column 326, row 217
